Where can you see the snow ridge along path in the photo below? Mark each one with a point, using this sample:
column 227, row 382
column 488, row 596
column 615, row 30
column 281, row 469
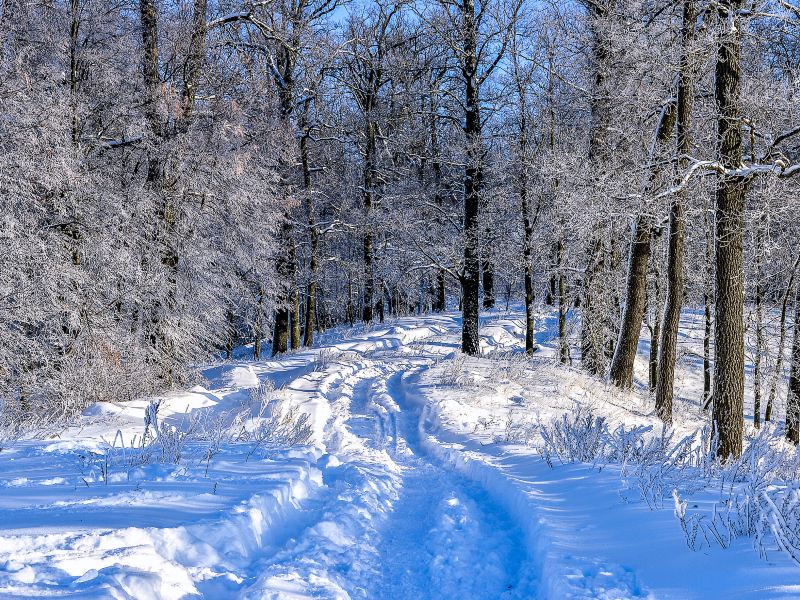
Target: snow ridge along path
column 363, row 513
column 409, row 491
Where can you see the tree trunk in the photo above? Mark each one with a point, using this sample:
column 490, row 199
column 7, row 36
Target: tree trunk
column 470, row 279
column 280, row 335
column 635, row 304
column 757, row 358
column 636, row 289
column 708, row 301
column 370, row 181
column 655, row 341
column 665, row 380
column 294, row 298
column 527, row 223
column 258, row 328
column 440, row 301
column 729, row 277
column 563, row 342
column 707, row 333
column 488, row 283
column 311, row 291
column 593, row 337
column 778, row 373
column 793, row 397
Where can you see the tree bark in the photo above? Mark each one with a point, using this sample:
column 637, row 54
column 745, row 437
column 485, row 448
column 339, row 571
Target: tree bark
column 563, row 342
column 635, row 303
column 729, row 216
column 758, row 357
column 665, row 380
column 593, row 335
column 708, row 302
column 636, row 288
column 311, row 291
column 488, row 282
column 793, row 397
column 294, row 298
column 370, row 181
column 470, row 279
column 258, row 328
column 527, row 221
column 280, row 335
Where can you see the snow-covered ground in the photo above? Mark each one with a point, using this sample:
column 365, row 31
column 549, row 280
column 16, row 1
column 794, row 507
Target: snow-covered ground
column 420, row 479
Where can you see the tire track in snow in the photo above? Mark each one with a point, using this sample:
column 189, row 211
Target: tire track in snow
column 445, row 537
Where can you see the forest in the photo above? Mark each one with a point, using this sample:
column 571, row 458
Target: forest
column 190, row 182
column 182, row 177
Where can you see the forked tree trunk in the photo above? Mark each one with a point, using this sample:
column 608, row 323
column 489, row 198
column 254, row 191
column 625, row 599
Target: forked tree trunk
column 665, row 380
column 636, row 288
column 729, row 265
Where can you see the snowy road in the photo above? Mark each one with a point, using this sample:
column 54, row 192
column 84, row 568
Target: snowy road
column 445, row 537
column 399, row 523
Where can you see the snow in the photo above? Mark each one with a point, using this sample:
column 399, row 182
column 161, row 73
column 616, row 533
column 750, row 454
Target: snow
column 419, row 481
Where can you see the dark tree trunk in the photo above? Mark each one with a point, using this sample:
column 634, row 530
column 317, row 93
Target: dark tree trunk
column 527, row 223
column 759, row 302
column 370, row 181
column 636, row 288
column 563, row 306
column 294, row 303
column 708, row 304
column 470, row 279
column 707, row 333
column 258, row 328
column 440, row 302
column 793, row 397
column 672, row 310
column 311, row 291
column 488, row 284
column 231, row 341
column 351, row 310
column 635, row 304
column 757, row 377
column 280, row 335
column 729, row 266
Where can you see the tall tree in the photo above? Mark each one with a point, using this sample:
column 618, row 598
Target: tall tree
column 729, row 216
column 675, row 254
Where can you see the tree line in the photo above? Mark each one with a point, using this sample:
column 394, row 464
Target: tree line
column 180, row 177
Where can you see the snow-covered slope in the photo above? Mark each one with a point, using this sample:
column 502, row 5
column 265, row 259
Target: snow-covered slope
column 418, row 481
